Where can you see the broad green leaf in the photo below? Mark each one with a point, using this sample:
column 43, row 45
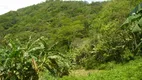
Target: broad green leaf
column 136, row 28
column 131, row 19
column 139, row 8
column 140, row 22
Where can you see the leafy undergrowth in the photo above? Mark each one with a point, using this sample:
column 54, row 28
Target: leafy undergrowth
column 129, row 71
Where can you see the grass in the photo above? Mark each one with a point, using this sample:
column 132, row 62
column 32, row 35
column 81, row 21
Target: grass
column 83, row 72
column 128, row 71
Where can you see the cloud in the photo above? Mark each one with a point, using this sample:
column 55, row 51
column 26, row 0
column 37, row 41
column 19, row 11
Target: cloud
column 3, row 9
column 7, row 5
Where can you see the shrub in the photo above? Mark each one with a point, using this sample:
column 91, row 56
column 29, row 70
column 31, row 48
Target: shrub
column 25, row 61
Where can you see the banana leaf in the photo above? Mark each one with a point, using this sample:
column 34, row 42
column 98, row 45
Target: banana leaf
column 140, row 22
column 137, row 9
column 136, row 28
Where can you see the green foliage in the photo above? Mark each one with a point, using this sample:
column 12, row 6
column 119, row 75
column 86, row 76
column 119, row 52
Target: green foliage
column 87, row 35
column 134, row 27
column 108, row 42
column 25, row 61
column 129, row 71
column 65, row 18
column 9, row 19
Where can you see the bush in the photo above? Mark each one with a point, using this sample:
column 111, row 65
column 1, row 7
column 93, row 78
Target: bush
column 25, row 61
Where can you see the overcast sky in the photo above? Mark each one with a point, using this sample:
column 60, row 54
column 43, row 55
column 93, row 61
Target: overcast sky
column 7, row 5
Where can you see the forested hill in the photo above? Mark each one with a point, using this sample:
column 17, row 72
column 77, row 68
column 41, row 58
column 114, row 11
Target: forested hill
column 74, row 24
column 68, row 19
column 54, row 19
column 87, row 34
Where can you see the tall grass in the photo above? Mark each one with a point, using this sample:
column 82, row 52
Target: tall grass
column 129, row 71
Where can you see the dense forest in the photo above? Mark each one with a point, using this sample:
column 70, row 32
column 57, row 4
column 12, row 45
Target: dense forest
column 54, row 39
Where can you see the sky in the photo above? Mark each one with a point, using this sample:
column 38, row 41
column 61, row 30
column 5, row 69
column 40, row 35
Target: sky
column 8, row 5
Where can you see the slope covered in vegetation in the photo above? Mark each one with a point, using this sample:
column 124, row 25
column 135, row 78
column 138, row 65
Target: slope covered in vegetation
column 56, row 36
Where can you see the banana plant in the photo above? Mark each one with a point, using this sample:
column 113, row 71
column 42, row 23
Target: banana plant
column 25, row 61
column 134, row 26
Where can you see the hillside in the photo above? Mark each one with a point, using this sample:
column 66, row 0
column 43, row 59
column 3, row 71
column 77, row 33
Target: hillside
column 48, row 17
column 58, row 36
